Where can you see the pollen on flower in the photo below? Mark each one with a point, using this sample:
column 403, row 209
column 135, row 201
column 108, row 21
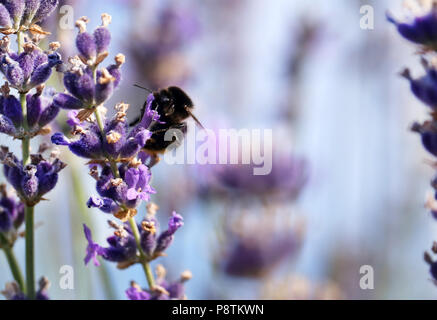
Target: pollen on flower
column 81, row 24
column 113, row 137
column 106, row 77
column 116, row 182
column 149, row 226
column 54, row 45
column 121, row 111
column 125, row 214
column 106, row 19
column 29, row 47
column 120, row 59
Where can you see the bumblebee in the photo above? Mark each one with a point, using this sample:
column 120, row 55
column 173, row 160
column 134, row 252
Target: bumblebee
column 174, row 106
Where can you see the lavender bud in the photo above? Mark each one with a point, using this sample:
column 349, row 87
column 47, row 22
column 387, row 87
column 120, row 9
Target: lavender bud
column 12, row 110
column 34, row 109
column 102, row 36
column 13, row 72
column 86, row 45
column 65, row 101
column 16, row 10
column 44, row 71
column 5, row 18
column 25, row 61
column 30, row 10
column 85, row 88
column 6, row 126
column 48, row 115
column 46, row 7
column 104, row 86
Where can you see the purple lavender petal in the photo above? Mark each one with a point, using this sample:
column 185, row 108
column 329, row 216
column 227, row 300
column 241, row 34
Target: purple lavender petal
column 65, row 101
column 12, row 110
column 16, row 10
column 5, row 18
column 102, row 39
column 6, row 126
column 86, row 45
column 46, row 7
column 31, row 7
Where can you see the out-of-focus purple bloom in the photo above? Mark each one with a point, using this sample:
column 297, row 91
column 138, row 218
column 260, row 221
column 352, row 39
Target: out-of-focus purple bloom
column 285, row 181
column 32, row 181
column 13, row 292
column 421, row 28
column 159, row 56
column 163, row 290
column 122, row 247
column 11, row 211
column 119, row 141
column 424, row 88
column 428, row 133
column 255, row 250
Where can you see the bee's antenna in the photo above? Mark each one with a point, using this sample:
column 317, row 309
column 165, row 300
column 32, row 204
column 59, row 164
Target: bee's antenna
column 194, row 118
column 144, row 88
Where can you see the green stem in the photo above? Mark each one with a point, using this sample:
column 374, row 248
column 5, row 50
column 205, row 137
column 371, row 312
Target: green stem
column 29, row 211
column 30, row 258
column 20, row 41
column 12, row 261
column 133, row 224
column 144, row 262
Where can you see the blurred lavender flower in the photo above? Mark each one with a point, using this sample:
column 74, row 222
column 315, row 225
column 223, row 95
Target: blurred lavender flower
column 287, row 178
column 423, row 31
column 256, row 245
column 421, row 26
column 13, row 292
column 11, row 211
column 163, row 290
column 32, row 181
column 122, row 246
column 159, row 56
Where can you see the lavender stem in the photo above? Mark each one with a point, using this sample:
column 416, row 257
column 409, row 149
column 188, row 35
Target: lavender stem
column 29, row 211
column 12, row 261
column 30, row 258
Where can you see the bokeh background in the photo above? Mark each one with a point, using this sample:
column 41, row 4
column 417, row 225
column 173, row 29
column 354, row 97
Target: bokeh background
column 340, row 115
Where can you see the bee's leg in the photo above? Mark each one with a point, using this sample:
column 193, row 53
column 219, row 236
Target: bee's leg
column 154, row 159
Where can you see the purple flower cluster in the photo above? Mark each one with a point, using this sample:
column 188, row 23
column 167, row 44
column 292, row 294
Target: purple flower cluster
column 40, row 113
column 113, row 149
column 120, row 196
column 159, row 55
column 29, row 69
column 117, row 141
column 255, row 250
column 163, row 290
column 122, row 247
column 34, row 180
column 422, row 30
column 24, row 13
column 88, row 86
column 11, row 211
